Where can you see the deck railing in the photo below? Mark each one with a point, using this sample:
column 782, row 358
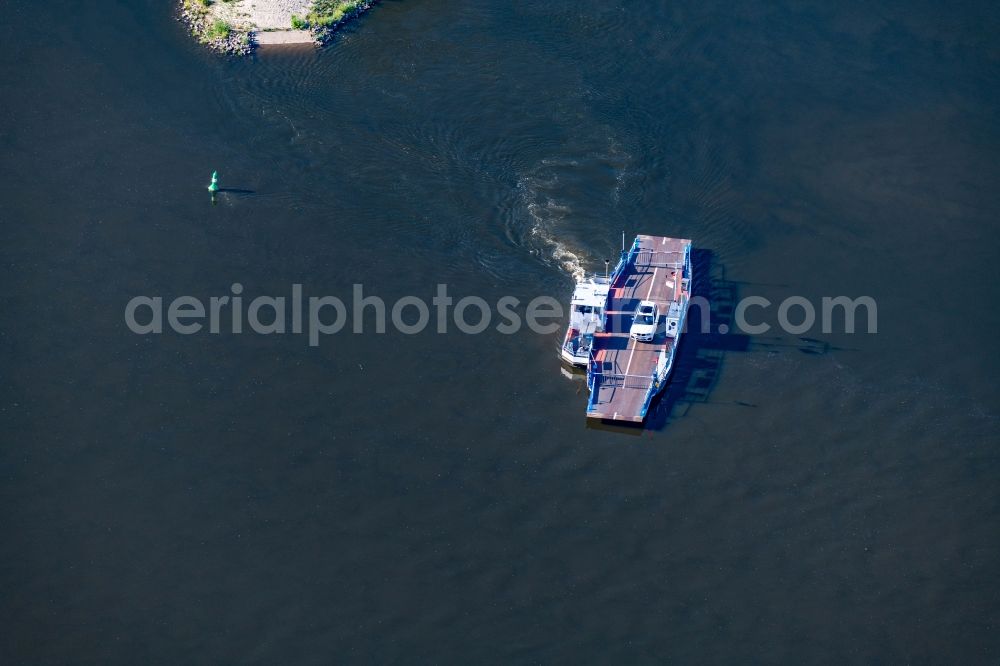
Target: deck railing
column 626, row 258
column 599, row 380
column 623, row 381
column 659, row 259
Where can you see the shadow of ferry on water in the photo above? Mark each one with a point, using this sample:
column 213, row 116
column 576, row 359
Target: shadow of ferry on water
column 708, row 338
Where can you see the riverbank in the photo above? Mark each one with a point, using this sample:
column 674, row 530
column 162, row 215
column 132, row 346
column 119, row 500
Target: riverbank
column 237, row 26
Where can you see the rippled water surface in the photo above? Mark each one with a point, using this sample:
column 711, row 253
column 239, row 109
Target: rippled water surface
column 441, row 498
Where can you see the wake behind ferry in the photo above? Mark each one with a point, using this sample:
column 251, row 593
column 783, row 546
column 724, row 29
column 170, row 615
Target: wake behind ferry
column 625, row 327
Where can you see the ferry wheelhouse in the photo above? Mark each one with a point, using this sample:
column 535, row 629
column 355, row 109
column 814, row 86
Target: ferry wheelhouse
column 586, row 318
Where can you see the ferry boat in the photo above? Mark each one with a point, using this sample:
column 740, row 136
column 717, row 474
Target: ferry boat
column 626, row 327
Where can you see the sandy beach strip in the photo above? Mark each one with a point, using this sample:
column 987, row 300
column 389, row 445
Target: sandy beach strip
column 284, row 37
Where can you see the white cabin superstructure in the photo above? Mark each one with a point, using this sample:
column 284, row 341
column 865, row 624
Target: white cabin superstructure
column 587, row 316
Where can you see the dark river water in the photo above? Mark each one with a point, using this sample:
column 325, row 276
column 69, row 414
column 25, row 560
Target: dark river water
column 245, row 498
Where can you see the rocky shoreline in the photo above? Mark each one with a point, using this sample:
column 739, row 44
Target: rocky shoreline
column 239, row 37
column 323, row 34
column 196, row 18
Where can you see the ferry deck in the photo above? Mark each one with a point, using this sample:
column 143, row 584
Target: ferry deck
column 623, row 371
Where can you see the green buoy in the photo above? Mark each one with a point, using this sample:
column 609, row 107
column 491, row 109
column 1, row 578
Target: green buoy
column 213, row 187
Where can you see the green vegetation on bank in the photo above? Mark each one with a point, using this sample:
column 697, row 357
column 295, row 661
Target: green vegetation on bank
column 327, row 13
column 219, row 29
column 217, row 33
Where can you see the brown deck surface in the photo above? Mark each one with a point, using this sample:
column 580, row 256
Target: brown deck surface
column 626, row 366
